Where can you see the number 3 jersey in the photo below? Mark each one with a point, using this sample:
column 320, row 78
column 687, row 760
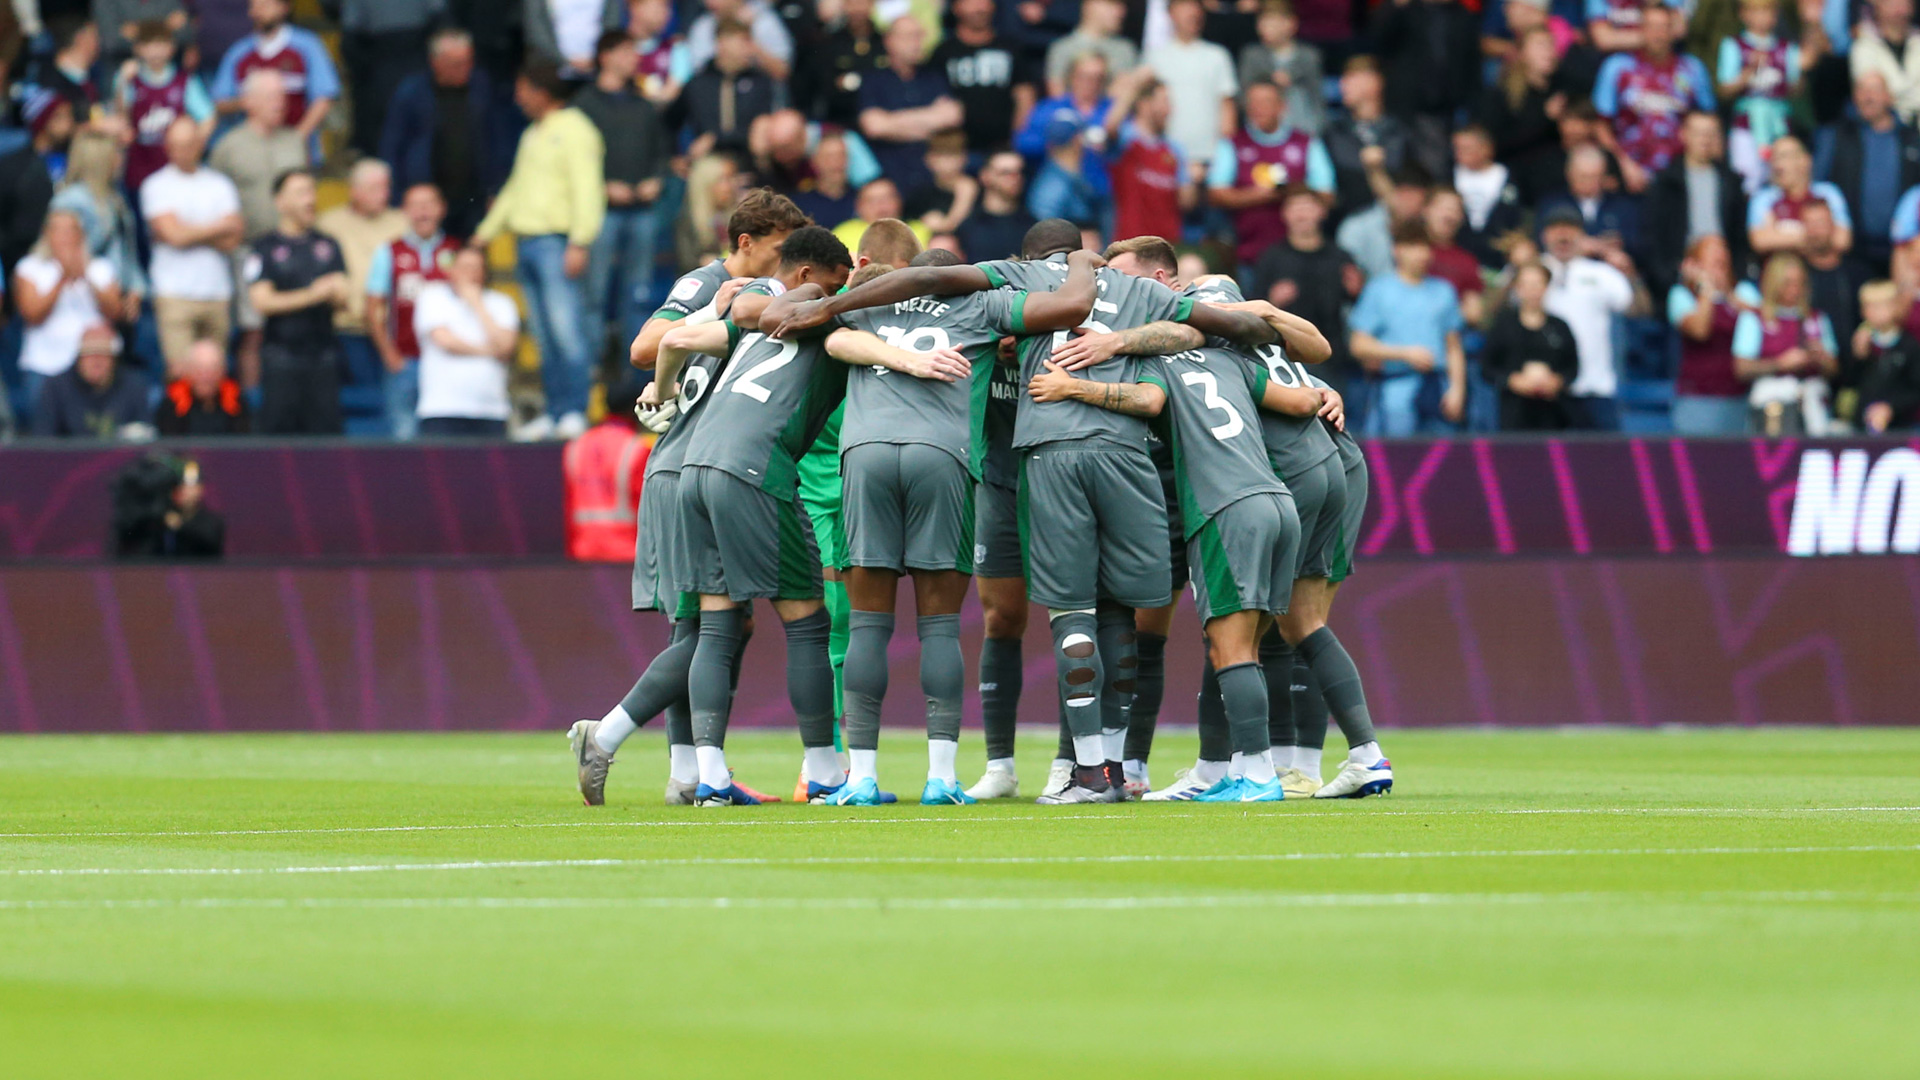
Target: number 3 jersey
column 767, row 406
column 884, row 406
column 1212, row 424
column 1122, row 303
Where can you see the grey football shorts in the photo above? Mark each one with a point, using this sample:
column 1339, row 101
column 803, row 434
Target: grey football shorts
column 1354, row 462
column 741, row 542
column 905, row 507
column 996, row 532
column 1242, row 559
column 1093, row 525
column 1320, row 495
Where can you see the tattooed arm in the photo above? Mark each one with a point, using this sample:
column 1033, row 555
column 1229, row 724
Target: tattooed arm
column 1133, row 399
column 1154, row 339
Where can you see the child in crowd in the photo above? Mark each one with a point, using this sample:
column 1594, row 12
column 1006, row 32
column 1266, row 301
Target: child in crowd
column 1885, row 362
column 1293, row 66
column 152, row 91
column 1758, row 71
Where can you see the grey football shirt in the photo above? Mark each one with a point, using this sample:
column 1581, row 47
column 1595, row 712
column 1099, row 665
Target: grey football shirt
column 670, row 450
column 1340, row 438
column 694, row 290
column 1294, row 443
column 767, row 406
column 885, row 406
column 1210, row 422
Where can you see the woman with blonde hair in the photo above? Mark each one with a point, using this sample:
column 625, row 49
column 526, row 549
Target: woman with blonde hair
column 91, row 192
column 1787, row 351
column 713, row 190
column 1522, row 111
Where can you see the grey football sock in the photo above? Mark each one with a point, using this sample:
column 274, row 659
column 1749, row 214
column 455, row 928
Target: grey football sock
column 1063, row 750
column 709, row 676
column 1309, row 707
column 679, row 716
column 1120, row 660
column 1216, row 743
column 1276, row 663
column 943, row 674
column 864, row 676
column 1002, row 673
column 810, row 677
column 1340, row 683
column 665, row 680
column 1243, row 690
column 1152, row 688
column 1076, row 656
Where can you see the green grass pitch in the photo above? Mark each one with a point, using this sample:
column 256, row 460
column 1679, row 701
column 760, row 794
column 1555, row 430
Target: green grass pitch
column 1548, row 904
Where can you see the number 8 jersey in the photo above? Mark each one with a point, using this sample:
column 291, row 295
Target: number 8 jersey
column 767, row 406
column 1212, row 422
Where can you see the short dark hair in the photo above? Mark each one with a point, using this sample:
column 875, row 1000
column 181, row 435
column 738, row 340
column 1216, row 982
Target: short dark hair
column 729, row 27
column 148, row 31
column 544, row 75
column 1411, row 232
column 1152, row 250
column 1050, row 237
column 1412, row 175
column 813, row 244
column 937, row 257
column 764, row 212
column 65, row 29
column 947, row 141
column 610, row 40
column 280, row 181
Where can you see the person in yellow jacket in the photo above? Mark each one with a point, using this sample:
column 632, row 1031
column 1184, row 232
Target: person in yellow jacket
column 553, row 203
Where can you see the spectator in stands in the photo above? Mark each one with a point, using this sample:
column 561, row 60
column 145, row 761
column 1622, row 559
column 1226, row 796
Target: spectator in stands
column 878, row 200
column 665, row 61
column 366, row 225
column 421, row 256
column 67, row 70
column 1099, row 33
column 1759, row 73
column 1700, row 191
column 1153, row 185
column 1510, row 22
column 997, row 226
column 194, row 214
column 1605, row 215
column 94, row 398
column 1251, row 169
column 827, row 80
column 1870, row 157
column 1062, row 188
column 946, row 200
column 563, row 32
column 441, row 130
column 1785, row 349
column 1430, row 51
column 203, row 401
column 1834, row 275
column 1310, row 276
column 1774, row 216
column 620, row 274
column 828, row 194
column 713, row 189
column 1443, row 216
column 91, row 193
column 28, row 174
column 297, row 280
column 718, row 108
column 152, row 91
column 1881, row 46
column 1368, row 235
column 121, row 22
column 554, row 203
column 1530, row 356
column 990, row 75
column 60, row 290
column 1287, row 63
column 782, row 143
column 1487, row 194
column 1522, row 112
column 382, row 43
column 1588, row 292
column 1365, row 145
column 902, row 106
column 1889, row 362
column 217, row 26
column 1200, row 77
column 1645, row 95
column 467, row 336
column 1405, row 325
column 604, row 471
column 308, row 78
column 1704, row 304
column 259, row 151
column 771, row 46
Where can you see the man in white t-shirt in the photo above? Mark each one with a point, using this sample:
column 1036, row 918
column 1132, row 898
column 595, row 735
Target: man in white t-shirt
column 194, row 213
column 467, row 336
column 1587, row 293
column 60, row 292
column 1201, row 81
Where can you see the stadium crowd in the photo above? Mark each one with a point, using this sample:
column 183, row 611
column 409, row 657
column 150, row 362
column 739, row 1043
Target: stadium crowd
column 1505, row 214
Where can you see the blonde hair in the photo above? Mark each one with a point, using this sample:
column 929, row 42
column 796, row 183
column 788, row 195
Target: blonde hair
column 92, row 161
column 700, row 210
column 1513, row 75
column 1878, row 289
column 1779, row 264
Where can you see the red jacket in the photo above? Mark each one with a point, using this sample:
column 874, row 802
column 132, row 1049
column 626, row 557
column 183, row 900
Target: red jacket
column 604, row 470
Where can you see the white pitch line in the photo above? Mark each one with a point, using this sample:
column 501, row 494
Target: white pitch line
column 962, row 816
column 935, row 860
column 984, row 903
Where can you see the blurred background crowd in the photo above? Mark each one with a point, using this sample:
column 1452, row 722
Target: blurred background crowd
column 447, row 218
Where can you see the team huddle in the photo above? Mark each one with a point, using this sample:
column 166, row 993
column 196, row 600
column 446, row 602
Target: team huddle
column 1068, row 429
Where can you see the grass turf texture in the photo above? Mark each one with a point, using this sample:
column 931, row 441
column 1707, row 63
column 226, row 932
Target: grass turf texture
column 1531, row 905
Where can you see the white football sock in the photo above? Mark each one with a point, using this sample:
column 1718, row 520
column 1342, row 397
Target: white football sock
column 1307, row 760
column 1282, row 757
column 614, row 729
column 1001, row 764
column 1089, row 750
column 1136, row 770
column 1260, row 767
column 1367, row 753
column 683, row 765
column 1209, row 772
column 942, row 758
column 713, row 767
column 822, row 765
column 1113, row 742
column 1237, row 766
column 866, row 766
